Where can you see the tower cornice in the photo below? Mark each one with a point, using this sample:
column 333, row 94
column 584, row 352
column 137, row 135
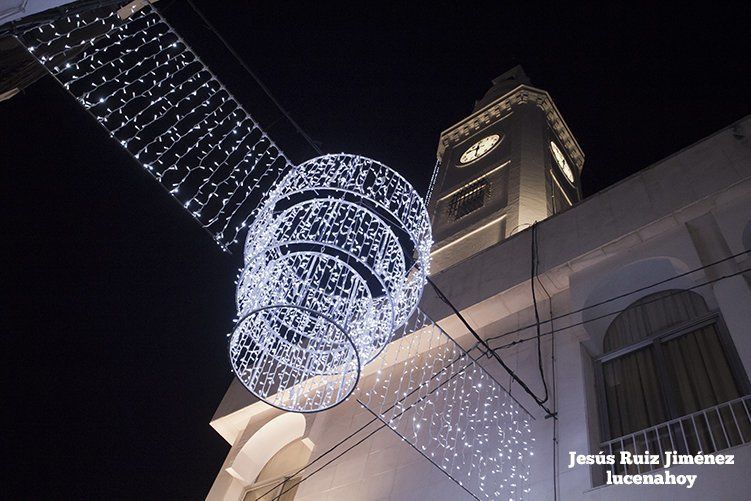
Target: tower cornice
column 523, row 94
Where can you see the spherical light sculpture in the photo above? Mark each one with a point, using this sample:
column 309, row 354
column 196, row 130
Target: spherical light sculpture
column 335, row 262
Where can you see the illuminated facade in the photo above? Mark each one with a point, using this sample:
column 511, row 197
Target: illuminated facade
column 647, row 286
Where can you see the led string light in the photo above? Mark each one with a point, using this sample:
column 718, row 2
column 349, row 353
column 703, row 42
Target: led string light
column 69, row 77
column 204, row 154
column 433, row 179
column 327, row 280
column 155, row 96
column 102, row 48
column 164, row 142
column 249, row 189
column 436, row 397
column 335, row 263
column 101, row 25
column 443, row 371
column 119, row 114
column 176, row 161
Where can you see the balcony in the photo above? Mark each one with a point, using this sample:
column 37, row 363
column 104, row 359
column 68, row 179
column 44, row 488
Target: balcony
column 707, row 431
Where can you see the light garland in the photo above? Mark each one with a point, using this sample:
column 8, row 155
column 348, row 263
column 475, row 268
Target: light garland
column 153, row 94
column 437, row 398
column 335, row 259
column 335, row 262
column 433, row 179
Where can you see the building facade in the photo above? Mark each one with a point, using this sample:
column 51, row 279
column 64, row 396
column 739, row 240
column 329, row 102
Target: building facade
column 644, row 298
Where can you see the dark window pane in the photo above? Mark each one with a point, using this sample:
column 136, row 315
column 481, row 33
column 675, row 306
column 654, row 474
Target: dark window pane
column 469, row 199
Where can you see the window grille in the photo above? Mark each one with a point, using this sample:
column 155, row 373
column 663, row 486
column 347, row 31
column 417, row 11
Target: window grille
column 469, row 199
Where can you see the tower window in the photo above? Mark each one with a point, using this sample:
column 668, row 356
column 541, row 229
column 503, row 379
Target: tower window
column 469, row 199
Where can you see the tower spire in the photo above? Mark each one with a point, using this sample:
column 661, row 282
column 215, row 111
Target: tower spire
column 503, row 84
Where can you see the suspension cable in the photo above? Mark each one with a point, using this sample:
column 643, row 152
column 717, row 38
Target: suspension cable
column 671, row 293
column 487, row 348
column 250, row 72
column 621, row 296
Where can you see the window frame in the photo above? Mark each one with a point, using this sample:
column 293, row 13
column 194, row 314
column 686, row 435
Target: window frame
column 665, row 378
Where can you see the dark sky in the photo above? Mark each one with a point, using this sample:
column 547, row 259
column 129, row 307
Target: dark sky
column 117, row 304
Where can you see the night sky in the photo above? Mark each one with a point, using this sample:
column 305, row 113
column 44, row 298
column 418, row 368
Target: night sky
column 116, row 303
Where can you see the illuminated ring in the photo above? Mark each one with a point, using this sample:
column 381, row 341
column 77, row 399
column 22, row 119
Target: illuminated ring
column 341, row 238
column 249, row 374
column 327, row 248
column 249, row 302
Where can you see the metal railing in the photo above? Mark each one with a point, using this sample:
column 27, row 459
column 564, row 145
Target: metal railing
column 706, row 431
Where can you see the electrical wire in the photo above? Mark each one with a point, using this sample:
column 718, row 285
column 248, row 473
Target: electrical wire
column 621, row 296
column 533, row 274
column 327, row 452
column 303, row 479
column 361, row 428
column 554, row 393
column 402, row 437
column 489, row 351
column 258, row 81
column 671, row 293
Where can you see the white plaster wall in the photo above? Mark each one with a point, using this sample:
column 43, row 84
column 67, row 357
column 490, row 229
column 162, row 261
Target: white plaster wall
column 381, row 467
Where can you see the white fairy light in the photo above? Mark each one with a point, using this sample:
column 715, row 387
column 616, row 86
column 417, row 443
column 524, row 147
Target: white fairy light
column 335, row 261
column 336, row 256
column 437, row 398
column 155, row 97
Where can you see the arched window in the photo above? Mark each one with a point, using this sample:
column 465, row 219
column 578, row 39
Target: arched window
column 670, row 379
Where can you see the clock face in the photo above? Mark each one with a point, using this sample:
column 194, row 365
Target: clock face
column 479, row 149
column 561, row 161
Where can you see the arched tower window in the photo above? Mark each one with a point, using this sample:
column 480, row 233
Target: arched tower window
column 670, row 378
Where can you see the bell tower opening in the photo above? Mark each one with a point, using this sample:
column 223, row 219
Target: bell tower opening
column 512, row 162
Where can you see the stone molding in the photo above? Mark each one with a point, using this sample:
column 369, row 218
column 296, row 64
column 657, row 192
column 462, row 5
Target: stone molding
column 523, row 94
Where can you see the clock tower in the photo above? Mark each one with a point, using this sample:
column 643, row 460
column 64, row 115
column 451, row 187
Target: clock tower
column 512, row 162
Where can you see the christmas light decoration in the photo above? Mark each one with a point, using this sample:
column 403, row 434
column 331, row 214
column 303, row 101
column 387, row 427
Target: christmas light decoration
column 335, row 259
column 148, row 89
column 439, row 400
column 335, row 262
column 433, row 179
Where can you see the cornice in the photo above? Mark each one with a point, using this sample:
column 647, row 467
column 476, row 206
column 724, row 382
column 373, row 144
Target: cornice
column 523, row 94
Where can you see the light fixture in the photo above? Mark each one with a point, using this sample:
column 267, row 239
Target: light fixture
column 335, row 262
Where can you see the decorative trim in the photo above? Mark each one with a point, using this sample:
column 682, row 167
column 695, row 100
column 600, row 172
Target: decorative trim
column 483, row 176
column 463, row 237
column 523, row 94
